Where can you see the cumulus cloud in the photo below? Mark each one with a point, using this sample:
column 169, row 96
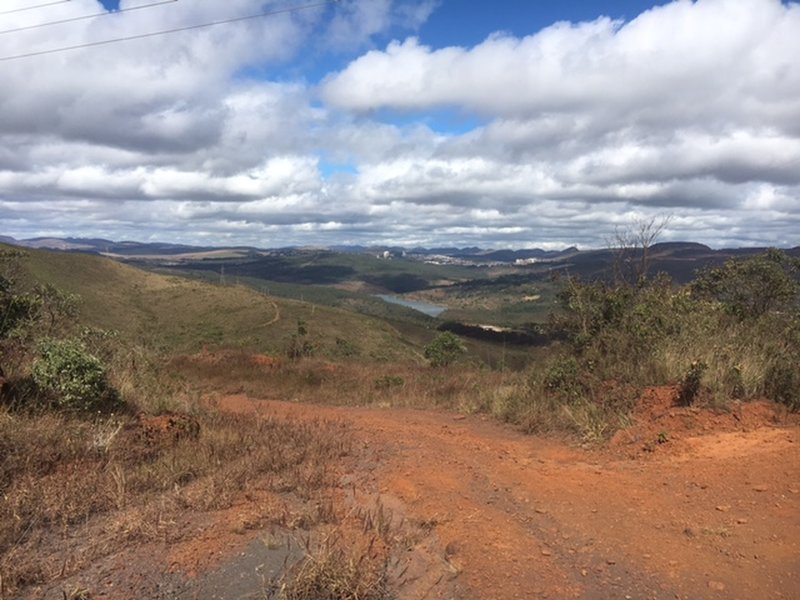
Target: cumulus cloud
column 690, row 105
column 671, row 65
column 691, row 108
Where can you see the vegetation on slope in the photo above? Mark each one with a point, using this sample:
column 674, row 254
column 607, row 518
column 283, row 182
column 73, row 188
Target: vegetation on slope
column 176, row 314
column 734, row 333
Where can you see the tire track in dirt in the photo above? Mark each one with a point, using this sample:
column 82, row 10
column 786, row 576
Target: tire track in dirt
column 513, row 516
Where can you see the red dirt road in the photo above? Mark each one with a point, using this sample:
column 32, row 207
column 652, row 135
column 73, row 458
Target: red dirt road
column 511, row 516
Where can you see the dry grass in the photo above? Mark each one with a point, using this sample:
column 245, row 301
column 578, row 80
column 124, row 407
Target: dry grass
column 348, row 561
column 461, row 388
column 63, row 479
column 175, row 314
column 336, row 568
column 590, row 410
column 591, row 413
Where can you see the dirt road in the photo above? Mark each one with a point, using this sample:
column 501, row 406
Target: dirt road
column 685, row 504
column 512, row 516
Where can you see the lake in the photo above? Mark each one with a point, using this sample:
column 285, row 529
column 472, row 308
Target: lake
column 432, row 310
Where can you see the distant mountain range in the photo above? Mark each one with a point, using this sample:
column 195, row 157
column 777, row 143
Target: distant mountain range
column 126, row 248
column 102, row 246
column 138, row 249
column 678, row 259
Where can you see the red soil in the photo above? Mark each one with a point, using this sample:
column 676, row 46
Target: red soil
column 711, row 509
column 511, row 516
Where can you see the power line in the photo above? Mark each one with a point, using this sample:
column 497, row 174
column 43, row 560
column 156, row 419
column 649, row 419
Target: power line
column 141, row 36
column 16, row 10
column 84, row 17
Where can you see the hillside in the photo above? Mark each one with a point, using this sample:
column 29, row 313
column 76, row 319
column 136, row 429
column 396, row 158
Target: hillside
column 183, row 315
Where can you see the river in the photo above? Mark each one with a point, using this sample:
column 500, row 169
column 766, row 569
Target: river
column 432, row 310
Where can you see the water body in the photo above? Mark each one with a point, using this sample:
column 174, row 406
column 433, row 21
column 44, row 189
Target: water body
column 432, row 310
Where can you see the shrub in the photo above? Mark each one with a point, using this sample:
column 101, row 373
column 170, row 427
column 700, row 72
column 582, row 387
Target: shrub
column 299, row 346
column 783, row 383
column 386, row 382
column 690, row 385
column 74, row 378
column 444, row 350
column 563, row 378
column 752, row 287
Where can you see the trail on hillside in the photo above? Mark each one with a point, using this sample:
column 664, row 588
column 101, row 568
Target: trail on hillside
column 513, row 516
column 277, row 316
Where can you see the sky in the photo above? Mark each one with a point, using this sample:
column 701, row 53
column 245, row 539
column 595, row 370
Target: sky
column 510, row 123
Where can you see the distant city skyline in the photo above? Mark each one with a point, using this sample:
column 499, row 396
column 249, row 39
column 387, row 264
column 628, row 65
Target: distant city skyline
column 400, row 122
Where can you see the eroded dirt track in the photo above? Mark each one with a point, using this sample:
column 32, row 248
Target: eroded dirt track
column 513, row 516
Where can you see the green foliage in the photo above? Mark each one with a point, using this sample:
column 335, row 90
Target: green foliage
column 57, row 308
column 75, row 379
column 740, row 323
column 444, row 350
column 17, row 308
column 643, row 314
column 752, row 287
column 563, row 378
column 783, row 382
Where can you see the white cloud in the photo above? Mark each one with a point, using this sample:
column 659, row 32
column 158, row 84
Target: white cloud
column 692, row 108
column 671, row 65
column 693, row 105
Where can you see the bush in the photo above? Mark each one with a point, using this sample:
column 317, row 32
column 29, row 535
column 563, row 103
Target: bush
column 298, row 345
column 388, row 381
column 563, row 378
column 72, row 377
column 752, row 287
column 783, row 383
column 444, row 350
column 690, row 385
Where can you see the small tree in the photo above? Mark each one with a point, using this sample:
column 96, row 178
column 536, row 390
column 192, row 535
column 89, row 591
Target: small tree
column 444, row 350
column 17, row 308
column 631, row 248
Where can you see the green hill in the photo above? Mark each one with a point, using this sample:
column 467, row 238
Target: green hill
column 183, row 315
